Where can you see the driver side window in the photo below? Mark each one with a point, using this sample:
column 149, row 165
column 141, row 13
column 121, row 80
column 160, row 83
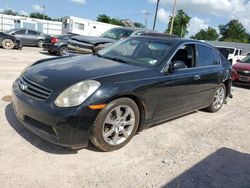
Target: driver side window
column 185, row 54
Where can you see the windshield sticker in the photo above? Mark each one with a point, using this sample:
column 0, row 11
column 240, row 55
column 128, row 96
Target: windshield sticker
column 152, row 62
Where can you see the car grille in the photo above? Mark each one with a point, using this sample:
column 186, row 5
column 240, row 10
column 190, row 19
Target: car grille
column 243, row 73
column 33, row 89
column 37, row 124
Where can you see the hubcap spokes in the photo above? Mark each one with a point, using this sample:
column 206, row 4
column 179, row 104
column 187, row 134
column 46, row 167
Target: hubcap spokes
column 118, row 125
column 219, row 98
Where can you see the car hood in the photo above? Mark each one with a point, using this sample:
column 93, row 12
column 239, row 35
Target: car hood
column 242, row 66
column 60, row 73
column 92, row 40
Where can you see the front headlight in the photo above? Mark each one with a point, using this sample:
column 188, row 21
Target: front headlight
column 77, row 94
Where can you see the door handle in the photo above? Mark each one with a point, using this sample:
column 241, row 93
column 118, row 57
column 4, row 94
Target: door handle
column 197, row 77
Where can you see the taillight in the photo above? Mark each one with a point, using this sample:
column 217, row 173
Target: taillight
column 54, row 40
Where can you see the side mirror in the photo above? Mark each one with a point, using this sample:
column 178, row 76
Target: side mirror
column 177, row 65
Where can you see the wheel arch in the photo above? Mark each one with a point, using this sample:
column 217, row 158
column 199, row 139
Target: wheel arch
column 141, row 106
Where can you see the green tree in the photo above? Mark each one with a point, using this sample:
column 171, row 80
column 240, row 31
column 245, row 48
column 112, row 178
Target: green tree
column 139, row 25
column 106, row 19
column 233, row 31
column 206, row 34
column 103, row 18
column 9, row 12
column 39, row 16
column 181, row 22
column 115, row 21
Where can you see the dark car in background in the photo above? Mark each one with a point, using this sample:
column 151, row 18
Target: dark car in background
column 109, row 96
column 9, row 42
column 57, row 45
column 90, row 44
column 241, row 71
column 28, row 37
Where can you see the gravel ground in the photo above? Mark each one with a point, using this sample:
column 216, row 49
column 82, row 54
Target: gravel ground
column 197, row 150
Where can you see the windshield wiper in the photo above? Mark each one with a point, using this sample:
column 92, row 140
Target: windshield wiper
column 114, row 58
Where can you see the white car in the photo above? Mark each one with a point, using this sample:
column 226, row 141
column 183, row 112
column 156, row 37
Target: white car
column 231, row 53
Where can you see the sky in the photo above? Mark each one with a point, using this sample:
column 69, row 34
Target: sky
column 204, row 13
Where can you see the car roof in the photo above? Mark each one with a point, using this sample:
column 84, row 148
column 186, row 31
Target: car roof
column 172, row 39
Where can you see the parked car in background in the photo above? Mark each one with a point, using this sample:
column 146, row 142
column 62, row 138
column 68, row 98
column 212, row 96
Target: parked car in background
column 241, row 70
column 9, row 42
column 28, row 37
column 57, row 45
column 230, row 53
column 108, row 96
column 90, row 44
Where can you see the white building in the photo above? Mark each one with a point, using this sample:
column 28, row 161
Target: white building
column 85, row 27
column 49, row 27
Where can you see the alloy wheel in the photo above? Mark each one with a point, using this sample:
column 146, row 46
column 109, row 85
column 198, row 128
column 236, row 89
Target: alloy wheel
column 118, row 125
column 8, row 44
column 219, row 98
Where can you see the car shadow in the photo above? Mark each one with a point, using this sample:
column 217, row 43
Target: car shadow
column 225, row 168
column 48, row 54
column 36, row 140
column 241, row 85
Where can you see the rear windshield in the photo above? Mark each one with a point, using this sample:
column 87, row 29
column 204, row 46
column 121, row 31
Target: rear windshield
column 117, row 33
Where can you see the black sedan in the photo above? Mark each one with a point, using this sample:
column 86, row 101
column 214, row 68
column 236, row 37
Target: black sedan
column 28, row 37
column 109, row 96
column 91, row 44
column 9, row 42
column 57, row 45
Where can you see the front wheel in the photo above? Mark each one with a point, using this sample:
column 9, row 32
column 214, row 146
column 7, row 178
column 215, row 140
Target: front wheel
column 115, row 125
column 218, row 99
column 8, row 44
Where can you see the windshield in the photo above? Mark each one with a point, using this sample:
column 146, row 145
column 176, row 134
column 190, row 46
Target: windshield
column 117, row 33
column 246, row 59
column 226, row 51
column 141, row 51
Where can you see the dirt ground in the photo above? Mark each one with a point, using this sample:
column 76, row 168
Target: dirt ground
column 197, row 150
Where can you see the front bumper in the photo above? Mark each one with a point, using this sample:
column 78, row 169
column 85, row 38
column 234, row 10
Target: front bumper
column 80, row 48
column 68, row 127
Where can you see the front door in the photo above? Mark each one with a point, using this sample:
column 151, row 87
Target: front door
column 174, row 95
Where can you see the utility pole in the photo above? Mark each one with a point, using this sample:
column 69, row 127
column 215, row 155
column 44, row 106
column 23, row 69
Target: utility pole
column 156, row 12
column 146, row 13
column 173, row 16
column 43, row 12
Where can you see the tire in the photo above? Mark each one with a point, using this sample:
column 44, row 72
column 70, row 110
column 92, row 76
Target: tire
column 40, row 43
column 8, row 44
column 115, row 125
column 63, row 50
column 218, row 99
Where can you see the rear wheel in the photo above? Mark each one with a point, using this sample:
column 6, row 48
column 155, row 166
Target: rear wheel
column 63, row 50
column 8, row 44
column 218, row 99
column 40, row 43
column 115, row 125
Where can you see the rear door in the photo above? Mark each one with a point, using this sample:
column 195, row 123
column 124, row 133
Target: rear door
column 32, row 37
column 209, row 71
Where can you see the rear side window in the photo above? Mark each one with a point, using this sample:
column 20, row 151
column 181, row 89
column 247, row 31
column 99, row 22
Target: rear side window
column 20, row 32
column 32, row 32
column 206, row 56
